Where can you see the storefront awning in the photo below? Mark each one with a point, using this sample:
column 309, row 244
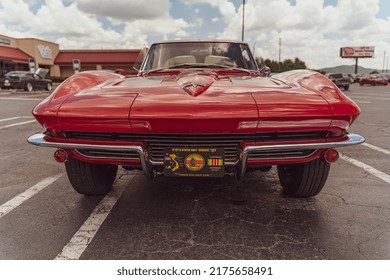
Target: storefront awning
column 13, row 54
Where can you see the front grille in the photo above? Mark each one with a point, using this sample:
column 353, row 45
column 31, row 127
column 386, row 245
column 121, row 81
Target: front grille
column 156, row 150
column 109, row 154
column 155, row 143
column 260, row 155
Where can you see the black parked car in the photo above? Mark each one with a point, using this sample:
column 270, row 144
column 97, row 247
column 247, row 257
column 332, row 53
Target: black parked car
column 26, row 80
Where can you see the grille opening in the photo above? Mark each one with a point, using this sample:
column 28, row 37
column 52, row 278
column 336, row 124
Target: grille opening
column 109, row 154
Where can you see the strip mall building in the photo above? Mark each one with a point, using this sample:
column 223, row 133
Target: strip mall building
column 15, row 54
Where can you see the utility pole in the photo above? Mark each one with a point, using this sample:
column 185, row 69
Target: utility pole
column 243, row 20
column 384, row 58
column 280, row 52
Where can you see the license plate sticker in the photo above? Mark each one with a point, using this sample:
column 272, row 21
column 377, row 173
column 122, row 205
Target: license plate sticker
column 194, row 162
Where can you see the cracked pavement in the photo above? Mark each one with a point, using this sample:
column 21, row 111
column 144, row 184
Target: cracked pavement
column 185, row 218
column 168, row 218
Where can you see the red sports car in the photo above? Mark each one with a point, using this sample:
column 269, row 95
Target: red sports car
column 201, row 109
column 373, row 80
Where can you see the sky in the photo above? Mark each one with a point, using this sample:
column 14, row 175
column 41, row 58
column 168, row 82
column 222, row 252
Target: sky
column 312, row 30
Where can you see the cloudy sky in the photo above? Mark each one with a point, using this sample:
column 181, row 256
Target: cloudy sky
column 313, row 30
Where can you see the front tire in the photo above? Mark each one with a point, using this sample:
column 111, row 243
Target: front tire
column 49, row 86
column 29, row 87
column 90, row 179
column 346, row 87
column 303, row 180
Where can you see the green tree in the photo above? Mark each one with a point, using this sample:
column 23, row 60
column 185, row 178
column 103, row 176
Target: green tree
column 286, row 65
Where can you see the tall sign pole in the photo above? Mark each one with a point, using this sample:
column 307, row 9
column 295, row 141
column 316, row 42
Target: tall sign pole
column 243, row 20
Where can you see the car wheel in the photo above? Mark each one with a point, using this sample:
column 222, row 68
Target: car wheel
column 346, row 87
column 49, row 86
column 90, row 179
column 29, row 87
column 361, row 84
column 373, row 84
column 303, row 180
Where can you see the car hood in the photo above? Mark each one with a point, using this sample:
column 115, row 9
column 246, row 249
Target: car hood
column 204, row 102
column 42, row 72
column 195, row 102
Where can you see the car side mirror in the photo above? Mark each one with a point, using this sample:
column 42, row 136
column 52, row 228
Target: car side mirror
column 265, row 71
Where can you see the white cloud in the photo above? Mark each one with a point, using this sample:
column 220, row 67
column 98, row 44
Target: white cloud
column 309, row 30
column 12, row 13
column 126, row 10
column 76, row 24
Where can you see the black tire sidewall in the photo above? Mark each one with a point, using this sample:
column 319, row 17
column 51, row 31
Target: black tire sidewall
column 90, row 179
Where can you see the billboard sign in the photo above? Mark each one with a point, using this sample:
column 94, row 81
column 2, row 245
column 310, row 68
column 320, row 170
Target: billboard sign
column 353, row 52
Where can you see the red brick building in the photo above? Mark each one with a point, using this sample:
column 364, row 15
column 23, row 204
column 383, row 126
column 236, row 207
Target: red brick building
column 15, row 53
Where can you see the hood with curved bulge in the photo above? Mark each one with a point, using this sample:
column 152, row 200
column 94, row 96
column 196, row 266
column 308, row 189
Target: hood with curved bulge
column 195, row 102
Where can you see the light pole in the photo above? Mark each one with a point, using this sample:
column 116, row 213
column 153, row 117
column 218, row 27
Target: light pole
column 384, row 59
column 243, row 20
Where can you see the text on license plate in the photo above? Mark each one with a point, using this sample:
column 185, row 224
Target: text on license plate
column 194, row 162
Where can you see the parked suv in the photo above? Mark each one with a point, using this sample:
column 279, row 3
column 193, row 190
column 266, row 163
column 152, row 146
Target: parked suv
column 340, row 80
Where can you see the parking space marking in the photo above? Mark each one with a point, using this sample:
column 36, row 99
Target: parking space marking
column 20, row 98
column 373, row 171
column 83, row 237
column 378, row 149
column 15, row 118
column 18, row 200
column 16, row 124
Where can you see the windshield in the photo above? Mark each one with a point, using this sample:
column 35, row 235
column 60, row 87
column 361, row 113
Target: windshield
column 199, row 54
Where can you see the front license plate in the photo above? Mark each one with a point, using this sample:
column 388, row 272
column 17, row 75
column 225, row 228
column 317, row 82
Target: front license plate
column 194, row 162
column 7, row 83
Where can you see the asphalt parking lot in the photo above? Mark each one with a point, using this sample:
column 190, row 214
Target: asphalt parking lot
column 42, row 217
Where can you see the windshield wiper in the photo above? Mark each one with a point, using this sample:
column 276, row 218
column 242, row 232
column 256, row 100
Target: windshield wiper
column 197, row 65
column 203, row 65
column 154, row 71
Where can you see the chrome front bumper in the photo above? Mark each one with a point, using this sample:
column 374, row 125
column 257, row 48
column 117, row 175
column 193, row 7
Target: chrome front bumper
column 351, row 139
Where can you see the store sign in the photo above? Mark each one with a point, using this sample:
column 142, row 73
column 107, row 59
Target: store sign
column 357, row 52
column 45, row 52
column 5, row 41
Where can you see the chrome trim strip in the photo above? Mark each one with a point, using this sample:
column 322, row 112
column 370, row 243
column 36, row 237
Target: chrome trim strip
column 105, row 157
column 39, row 140
column 279, row 157
column 353, row 139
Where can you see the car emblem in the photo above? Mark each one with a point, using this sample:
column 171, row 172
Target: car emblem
column 198, row 84
column 194, row 83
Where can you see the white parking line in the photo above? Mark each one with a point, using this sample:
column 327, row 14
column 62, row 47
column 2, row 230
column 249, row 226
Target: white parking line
column 20, row 98
column 378, row 149
column 16, row 124
column 15, row 118
column 83, row 237
column 18, row 200
column 373, row 171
